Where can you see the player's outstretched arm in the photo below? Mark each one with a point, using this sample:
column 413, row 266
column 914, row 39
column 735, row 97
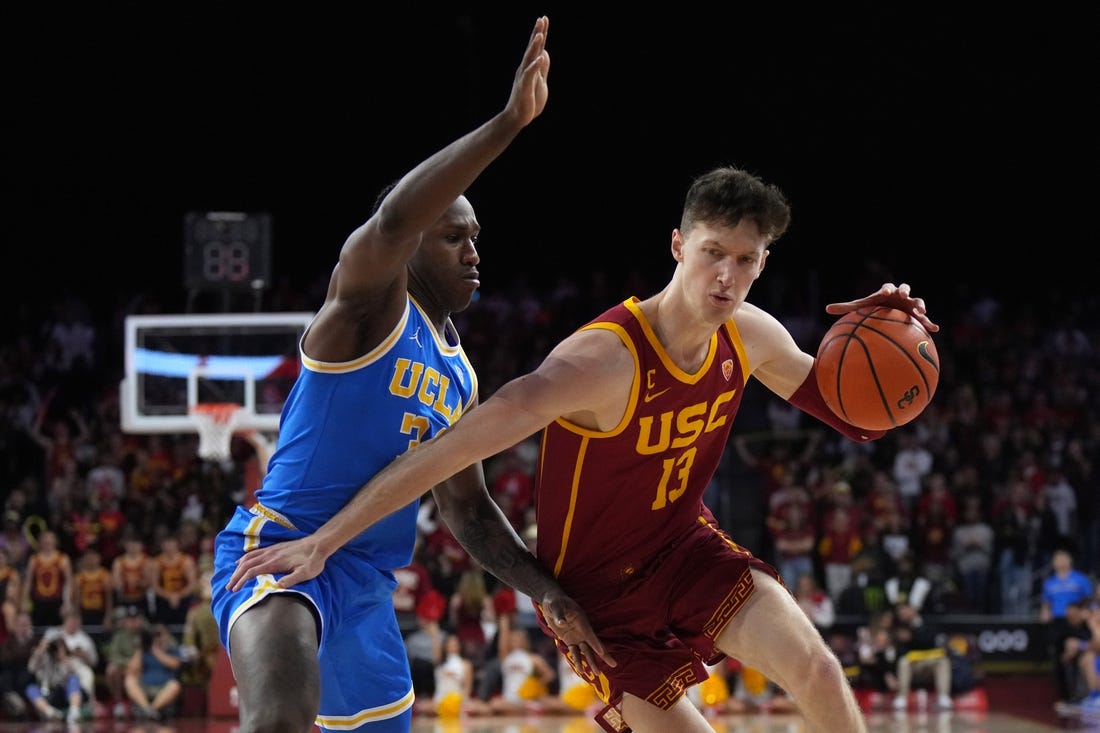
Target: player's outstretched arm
column 888, row 296
column 378, row 251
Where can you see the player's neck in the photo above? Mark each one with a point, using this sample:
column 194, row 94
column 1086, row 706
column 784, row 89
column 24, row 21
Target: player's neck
column 438, row 316
column 685, row 339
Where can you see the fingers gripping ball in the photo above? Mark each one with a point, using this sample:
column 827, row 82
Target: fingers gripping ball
column 877, row 368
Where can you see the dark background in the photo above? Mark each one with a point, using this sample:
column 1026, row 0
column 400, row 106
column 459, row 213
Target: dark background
column 944, row 146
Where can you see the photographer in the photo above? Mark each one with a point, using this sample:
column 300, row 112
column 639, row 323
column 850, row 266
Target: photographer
column 152, row 676
column 56, row 684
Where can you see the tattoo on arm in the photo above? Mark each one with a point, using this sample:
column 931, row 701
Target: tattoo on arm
column 486, row 534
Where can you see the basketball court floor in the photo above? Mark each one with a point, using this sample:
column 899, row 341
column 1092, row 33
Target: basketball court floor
column 933, row 722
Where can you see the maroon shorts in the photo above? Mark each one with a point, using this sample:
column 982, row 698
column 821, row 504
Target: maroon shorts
column 660, row 624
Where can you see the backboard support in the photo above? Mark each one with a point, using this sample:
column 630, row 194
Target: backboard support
column 175, row 361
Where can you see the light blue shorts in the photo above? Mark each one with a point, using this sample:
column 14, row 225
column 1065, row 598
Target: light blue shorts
column 365, row 679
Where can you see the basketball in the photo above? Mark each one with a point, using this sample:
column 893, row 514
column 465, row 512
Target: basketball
column 877, row 368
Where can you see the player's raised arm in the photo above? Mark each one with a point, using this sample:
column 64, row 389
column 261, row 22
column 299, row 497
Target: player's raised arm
column 378, row 250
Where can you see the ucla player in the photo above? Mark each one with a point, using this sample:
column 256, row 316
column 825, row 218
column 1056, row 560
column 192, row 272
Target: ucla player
column 383, row 370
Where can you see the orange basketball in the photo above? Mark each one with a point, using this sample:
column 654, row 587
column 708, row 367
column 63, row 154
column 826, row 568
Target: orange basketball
column 877, row 368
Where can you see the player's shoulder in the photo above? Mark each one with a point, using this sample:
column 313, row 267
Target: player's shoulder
column 754, row 322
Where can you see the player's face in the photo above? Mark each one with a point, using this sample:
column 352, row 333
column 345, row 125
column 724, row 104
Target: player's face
column 447, row 258
column 719, row 264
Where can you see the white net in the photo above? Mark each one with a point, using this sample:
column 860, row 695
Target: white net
column 216, row 423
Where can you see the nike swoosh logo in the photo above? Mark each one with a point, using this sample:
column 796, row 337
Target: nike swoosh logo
column 649, row 396
column 922, row 349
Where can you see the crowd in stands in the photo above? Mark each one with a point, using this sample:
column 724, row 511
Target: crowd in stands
column 962, row 511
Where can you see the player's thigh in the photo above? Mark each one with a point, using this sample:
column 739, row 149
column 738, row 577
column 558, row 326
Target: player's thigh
column 771, row 634
column 274, row 648
column 683, row 717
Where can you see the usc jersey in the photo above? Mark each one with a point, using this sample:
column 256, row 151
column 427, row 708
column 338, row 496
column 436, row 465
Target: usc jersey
column 622, row 497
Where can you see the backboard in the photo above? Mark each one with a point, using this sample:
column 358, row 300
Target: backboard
column 174, row 362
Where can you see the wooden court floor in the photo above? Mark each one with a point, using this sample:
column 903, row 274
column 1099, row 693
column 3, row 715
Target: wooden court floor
column 932, row 722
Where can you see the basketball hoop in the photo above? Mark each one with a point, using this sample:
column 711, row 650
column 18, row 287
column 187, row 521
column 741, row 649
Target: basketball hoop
column 215, row 423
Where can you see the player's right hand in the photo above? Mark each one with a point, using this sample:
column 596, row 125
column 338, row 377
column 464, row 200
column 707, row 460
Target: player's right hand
column 299, row 559
column 889, row 296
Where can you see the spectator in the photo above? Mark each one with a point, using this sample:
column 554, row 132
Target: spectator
column 972, row 547
column 9, row 592
column 526, row 677
column 907, row 586
column 15, row 657
column 152, row 676
column 123, row 643
column 895, row 536
column 838, row 545
column 424, row 646
column 13, row 542
column 815, row 602
column 413, row 583
column 513, row 486
column 1014, row 519
column 919, row 657
column 200, row 644
column 453, row 683
column 449, row 559
column 877, row 653
column 60, row 438
column 793, row 532
column 471, row 613
column 866, row 595
column 48, row 581
column 56, row 692
column 111, row 522
column 174, row 581
column 935, row 519
column 912, row 463
column 81, row 646
column 1075, row 647
column 1062, row 501
column 93, row 597
column 1089, row 666
column 1063, row 586
column 131, row 574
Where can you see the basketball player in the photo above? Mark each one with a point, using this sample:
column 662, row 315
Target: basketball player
column 637, row 406
column 382, row 371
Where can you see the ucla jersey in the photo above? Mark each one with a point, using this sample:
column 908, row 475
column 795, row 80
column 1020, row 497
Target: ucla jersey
column 343, row 422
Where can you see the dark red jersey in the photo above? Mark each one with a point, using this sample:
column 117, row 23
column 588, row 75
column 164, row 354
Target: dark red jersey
column 621, row 498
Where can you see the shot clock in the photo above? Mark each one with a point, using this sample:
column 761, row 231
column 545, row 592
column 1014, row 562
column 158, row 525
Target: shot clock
column 227, row 250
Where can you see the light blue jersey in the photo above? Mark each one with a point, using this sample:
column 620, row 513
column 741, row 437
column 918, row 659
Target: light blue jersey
column 341, row 424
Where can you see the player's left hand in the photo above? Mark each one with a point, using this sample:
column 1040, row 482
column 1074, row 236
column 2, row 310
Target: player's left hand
column 570, row 624
column 300, row 559
column 888, row 296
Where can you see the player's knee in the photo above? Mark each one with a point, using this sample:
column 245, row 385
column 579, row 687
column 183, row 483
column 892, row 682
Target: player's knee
column 819, row 670
column 280, row 714
column 278, row 676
